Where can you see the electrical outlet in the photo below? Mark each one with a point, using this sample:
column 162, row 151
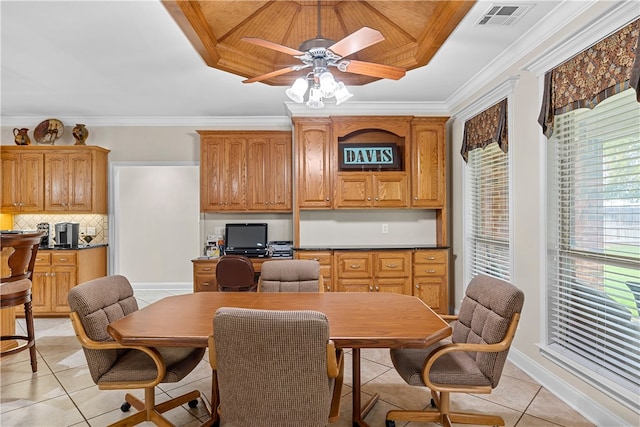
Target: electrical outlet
column 82, row 230
column 385, row 228
column 91, row 231
column 219, row 231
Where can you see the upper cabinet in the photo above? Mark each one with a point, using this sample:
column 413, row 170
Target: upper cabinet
column 54, row 179
column 428, row 162
column 22, row 181
column 314, row 148
column 245, row 171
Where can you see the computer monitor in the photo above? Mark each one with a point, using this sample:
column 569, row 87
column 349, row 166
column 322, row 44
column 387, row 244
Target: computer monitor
column 249, row 239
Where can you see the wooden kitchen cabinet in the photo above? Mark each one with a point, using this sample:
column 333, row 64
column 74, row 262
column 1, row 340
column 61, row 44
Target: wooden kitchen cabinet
column 373, row 271
column 57, row 271
column 269, row 167
column 245, row 171
column 378, row 190
column 223, row 173
column 22, row 181
column 314, row 151
column 428, row 162
column 54, row 179
column 325, row 259
column 430, row 278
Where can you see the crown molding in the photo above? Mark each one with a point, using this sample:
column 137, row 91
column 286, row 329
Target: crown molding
column 528, row 42
column 500, row 92
column 370, row 109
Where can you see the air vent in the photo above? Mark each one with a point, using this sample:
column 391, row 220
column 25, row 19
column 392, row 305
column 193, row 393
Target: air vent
column 503, row 14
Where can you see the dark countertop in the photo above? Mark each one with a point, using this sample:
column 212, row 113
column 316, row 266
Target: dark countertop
column 369, row 247
column 80, row 247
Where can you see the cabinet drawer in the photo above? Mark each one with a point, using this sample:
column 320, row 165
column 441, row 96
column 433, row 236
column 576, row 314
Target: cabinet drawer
column 43, row 258
column 425, row 270
column 64, row 258
column 392, row 264
column 205, row 268
column 353, row 265
column 324, row 258
column 430, row 257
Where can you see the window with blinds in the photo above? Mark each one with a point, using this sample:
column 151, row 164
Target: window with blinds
column 594, row 240
column 487, row 222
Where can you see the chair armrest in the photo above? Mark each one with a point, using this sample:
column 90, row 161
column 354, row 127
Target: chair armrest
column 212, row 353
column 449, row 317
column 334, row 360
column 449, row 348
column 90, row 344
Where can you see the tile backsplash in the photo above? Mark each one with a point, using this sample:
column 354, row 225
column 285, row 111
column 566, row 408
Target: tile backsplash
column 99, row 222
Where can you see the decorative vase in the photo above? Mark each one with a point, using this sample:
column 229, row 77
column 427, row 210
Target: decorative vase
column 80, row 133
column 21, row 136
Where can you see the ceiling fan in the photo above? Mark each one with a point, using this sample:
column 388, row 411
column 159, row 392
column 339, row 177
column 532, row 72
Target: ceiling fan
column 321, row 53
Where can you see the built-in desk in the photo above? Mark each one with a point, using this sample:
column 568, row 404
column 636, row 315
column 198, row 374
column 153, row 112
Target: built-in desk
column 204, row 272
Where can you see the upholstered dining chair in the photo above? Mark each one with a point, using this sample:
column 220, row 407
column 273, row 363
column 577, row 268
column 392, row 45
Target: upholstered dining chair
column 472, row 361
column 97, row 303
column 18, row 260
column 275, row 368
column 235, row 273
column 299, row 275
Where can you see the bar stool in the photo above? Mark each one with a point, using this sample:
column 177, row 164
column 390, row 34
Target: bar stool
column 15, row 289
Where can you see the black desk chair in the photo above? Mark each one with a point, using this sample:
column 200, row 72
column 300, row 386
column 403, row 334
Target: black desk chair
column 235, row 273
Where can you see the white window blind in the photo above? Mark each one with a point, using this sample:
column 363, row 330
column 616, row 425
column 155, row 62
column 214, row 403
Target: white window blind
column 594, row 239
column 487, row 199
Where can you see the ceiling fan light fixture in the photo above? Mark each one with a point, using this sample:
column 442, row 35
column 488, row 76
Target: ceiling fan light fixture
column 297, row 90
column 342, row 93
column 328, row 84
column 315, row 99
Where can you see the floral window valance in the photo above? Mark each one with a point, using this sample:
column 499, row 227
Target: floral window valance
column 485, row 128
column 605, row 69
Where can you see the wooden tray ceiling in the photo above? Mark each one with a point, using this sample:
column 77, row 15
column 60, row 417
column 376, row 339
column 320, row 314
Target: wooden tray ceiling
column 413, row 31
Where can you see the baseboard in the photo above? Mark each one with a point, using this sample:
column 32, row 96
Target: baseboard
column 573, row 397
column 186, row 287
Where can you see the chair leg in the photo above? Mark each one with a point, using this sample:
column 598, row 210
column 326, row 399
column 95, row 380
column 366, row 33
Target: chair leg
column 28, row 316
column 149, row 411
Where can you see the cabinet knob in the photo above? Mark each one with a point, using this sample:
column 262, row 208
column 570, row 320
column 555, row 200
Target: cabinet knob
column 431, row 258
column 392, row 265
column 206, row 269
column 220, row 202
column 376, row 199
column 430, row 271
column 368, row 198
column 53, row 274
column 315, row 259
column 417, row 286
column 354, row 266
column 206, row 284
column 377, row 288
column 370, row 288
column 64, row 259
column 15, row 204
column 327, row 199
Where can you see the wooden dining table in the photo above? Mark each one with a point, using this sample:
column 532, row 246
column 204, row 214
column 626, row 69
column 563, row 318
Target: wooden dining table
column 356, row 321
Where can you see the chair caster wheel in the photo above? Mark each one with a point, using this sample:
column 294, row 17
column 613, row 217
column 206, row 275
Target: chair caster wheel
column 193, row 403
column 125, row 407
column 390, row 423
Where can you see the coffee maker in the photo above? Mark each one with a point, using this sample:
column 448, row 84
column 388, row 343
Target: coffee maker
column 44, row 241
column 67, row 234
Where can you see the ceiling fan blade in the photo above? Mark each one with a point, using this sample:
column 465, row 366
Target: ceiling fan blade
column 272, row 45
column 372, row 69
column 271, row 74
column 354, row 42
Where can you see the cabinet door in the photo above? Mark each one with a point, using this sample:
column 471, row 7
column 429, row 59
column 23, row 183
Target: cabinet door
column 22, row 182
column 398, row 285
column 353, row 190
column 212, row 174
column 259, row 191
column 56, row 176
column 204, row 277
column 390, row 190
column 41, row 289
column 355, row 285
column 428, row 165
column 314, row 173
column 325, row 260
column 279, row 163
column 234, row 176
column 63, row 278
column 432, row 290
column 10, row 182
column 80, row 182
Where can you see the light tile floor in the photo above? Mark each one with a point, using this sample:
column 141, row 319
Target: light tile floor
column 62, row 393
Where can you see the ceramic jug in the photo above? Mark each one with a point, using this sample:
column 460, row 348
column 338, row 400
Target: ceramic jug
column 21, row 136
